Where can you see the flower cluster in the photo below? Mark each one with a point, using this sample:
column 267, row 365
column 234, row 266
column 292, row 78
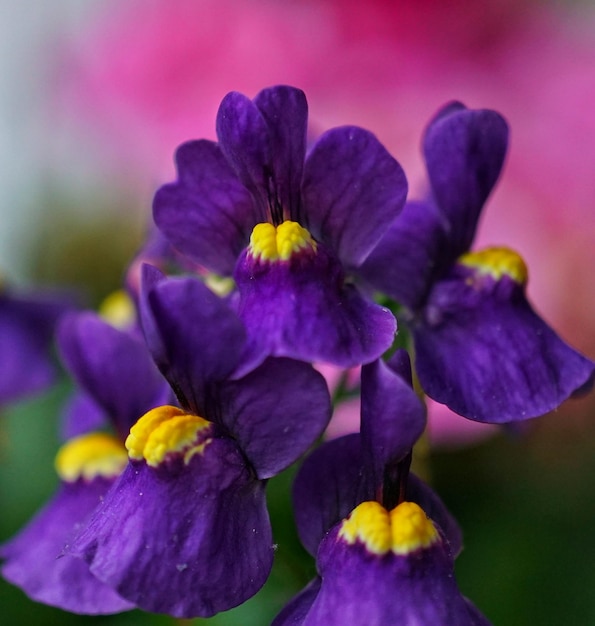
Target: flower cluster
column 273, row 254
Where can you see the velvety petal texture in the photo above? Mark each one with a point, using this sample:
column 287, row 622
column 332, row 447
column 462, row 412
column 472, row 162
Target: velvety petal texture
column 114, row 367
column 184, row 538
column 326, row 488
column 33, row 559
column 210, row 223
column 329, row 321
column 353, row 189
column 392, row 418
column 408, row 258
column 273, row 423
column 246, row 142
column 195, row 338
column 464, row 151
column 365, row 589
column 346, row 191
column 484, row 352
column 285, row 111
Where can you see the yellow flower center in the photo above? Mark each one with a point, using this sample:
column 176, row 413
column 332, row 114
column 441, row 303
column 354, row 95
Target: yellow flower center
column 89, row 456
column 279, row 243
column 166, row 430
column 497, row 262
column 403, row 530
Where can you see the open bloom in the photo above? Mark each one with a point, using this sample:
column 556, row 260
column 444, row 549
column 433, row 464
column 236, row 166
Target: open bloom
column 185, row 529
column 119, row 380
column 291, row 229
column 380, row 558
column 480, row 347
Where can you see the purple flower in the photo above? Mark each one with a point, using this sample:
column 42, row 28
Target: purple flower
column 380, row 558
column 27, row 323
column 291, row 229
column 185, row 530
column 118, row 381
column 480, row 348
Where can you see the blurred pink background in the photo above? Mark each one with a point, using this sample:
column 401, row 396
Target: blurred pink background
column 137, row 78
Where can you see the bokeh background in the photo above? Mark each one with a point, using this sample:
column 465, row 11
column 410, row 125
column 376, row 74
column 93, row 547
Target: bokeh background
column 96, row 95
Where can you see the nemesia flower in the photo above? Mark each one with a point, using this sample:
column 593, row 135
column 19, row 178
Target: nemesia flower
column 185, row 529
column 538, row 57
column 120, row 380
column 480, row 348
column 27, row 324
column 380, row 558
column 291, row 231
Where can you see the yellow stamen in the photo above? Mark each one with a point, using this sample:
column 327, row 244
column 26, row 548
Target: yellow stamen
column 405, row 529
column 89, row 456
column 411, row 528
column 165, row 430
column 118, row 309
column 497, row 262
column 270, row 243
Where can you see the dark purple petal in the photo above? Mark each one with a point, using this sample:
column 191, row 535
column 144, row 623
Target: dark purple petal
column 114, row 367
column 245, row 140
column 393, row 418
column 487, row 355
column 326, row 488
column 286, row 112
column 207, row 213
column 360, row 588
column 464, row 151
column 25, row 360
column 353, row 190
column 295, row 612
column 400, row 363
column 276, row 413
column 81, row 415
column 194, row 337
column 302, row 309
column 422, row 494
column 189, row 543
column 27, row 323
column 405, row 262
column 31, row 558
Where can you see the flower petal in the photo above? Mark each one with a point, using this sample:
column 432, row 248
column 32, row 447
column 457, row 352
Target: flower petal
column 488, row 356
column 31, row 557
column 303, row 310
column 326, row 488
column 286, row 112
column 190, row 542
column 81, row 415
column 194, row 337
column 405, row 262
column 464, row 151
column 352, row 190
column 114, row 367
column 245, row 140
column 27, row 324
column 362, row 588
column 296, row 610
column 393, row 418
column 276, row 423
column 207, row 213
column 419, row 492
